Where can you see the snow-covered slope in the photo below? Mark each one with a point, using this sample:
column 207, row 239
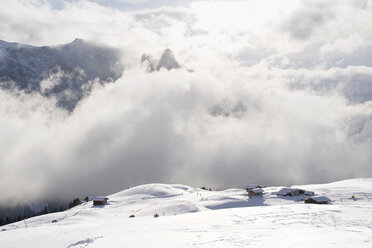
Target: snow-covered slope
column 195, row 217
column 65, row 72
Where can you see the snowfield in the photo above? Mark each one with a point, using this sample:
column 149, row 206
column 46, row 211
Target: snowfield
column 191, row 217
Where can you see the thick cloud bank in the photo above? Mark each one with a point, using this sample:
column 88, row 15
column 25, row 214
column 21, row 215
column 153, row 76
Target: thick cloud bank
column 279, row 94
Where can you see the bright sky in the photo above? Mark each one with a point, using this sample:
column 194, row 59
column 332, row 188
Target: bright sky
column 235, row 16
column 129, row 4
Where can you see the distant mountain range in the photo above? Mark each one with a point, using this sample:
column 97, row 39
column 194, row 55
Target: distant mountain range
column 66, row 72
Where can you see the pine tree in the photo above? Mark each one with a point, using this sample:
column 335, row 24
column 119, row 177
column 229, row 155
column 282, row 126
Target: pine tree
column 74, row 203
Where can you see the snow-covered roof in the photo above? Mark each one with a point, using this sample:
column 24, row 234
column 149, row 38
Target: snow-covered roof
column 320, row 199
column 309, row 193
column 258, row 190
column 285, row 191
column 253, row 186
column 99, row 198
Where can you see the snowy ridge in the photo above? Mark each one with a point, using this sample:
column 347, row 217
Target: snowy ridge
column 195, row 217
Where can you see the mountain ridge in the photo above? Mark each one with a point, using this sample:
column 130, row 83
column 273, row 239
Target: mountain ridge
column 65, row 72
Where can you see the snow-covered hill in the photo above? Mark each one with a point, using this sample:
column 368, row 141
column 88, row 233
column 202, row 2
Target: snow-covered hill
column 195, row 217
column 65, row 72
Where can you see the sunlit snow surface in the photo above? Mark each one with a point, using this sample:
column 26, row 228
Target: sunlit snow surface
column 190, row 217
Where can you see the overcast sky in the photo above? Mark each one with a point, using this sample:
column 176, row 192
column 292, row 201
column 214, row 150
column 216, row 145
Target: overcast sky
column 127, row 4
column 280, row 94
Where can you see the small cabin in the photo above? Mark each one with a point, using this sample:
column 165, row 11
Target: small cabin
column 294, row 192
column 251, row 187
column 309, row 193
column 318, row 200
column 255, row 192
column 99, row 200
column 287, row 192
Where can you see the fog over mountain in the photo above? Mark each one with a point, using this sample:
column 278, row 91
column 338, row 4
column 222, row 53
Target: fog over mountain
column 65, row 72
column 166, row 61
column 280, row 93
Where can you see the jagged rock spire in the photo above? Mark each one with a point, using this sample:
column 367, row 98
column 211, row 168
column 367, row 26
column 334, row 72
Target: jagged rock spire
column 168, row 61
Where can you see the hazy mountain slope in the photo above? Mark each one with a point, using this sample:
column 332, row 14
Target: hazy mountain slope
column 65, row 72
column 186, row 219
column 167, row 61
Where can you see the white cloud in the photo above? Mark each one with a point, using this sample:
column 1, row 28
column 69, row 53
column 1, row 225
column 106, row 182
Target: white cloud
column 132, row 1
column 306, row 98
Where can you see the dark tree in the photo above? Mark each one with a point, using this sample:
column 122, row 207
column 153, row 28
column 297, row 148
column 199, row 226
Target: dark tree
column 8, row 220
column 74, row 203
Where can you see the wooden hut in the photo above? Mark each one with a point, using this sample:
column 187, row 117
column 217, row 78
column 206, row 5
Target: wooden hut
column 309, row 192
column 99, row 200
column 294, row 192
column 318, row 200
column 255, row 192
column 254, row 186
